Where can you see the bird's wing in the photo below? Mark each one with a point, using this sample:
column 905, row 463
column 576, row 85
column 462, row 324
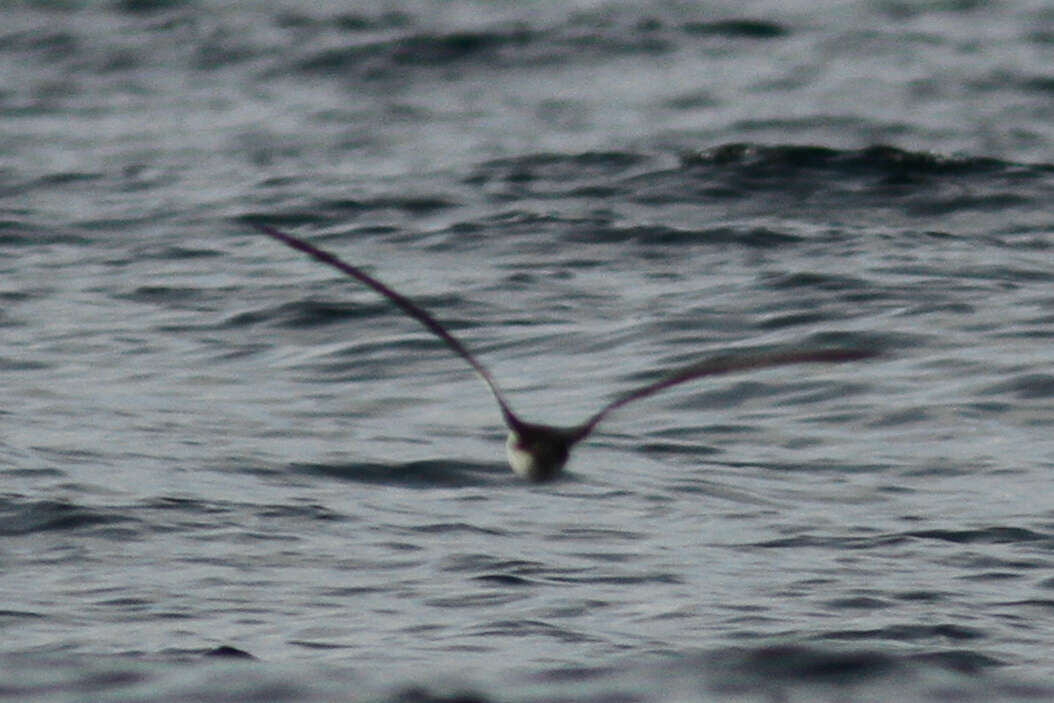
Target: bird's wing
column 405, row 304
column 726, row 363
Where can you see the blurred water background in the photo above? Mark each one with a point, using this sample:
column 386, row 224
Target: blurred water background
column 213, row 446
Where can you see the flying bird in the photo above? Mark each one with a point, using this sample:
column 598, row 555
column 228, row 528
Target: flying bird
column 539, row 452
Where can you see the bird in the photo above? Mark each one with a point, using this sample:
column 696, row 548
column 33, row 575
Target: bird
column 538, row 452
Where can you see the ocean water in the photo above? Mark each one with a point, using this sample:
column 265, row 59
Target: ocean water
column 230, row 474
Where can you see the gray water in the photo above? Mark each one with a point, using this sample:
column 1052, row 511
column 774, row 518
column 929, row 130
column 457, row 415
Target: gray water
column 211, row 445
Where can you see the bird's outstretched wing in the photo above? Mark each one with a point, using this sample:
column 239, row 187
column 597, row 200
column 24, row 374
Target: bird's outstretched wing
column 724, row 364
column 405, row 304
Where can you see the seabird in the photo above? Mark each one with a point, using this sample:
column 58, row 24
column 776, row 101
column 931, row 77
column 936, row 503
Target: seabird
column 538, row 452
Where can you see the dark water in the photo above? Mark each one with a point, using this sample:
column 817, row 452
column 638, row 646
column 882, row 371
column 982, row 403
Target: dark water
column 211, row 446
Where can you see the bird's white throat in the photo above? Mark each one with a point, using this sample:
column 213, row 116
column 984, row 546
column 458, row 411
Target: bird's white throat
column 523, row 463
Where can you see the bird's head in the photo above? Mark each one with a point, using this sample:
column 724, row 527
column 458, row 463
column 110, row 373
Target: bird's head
column 538, row 452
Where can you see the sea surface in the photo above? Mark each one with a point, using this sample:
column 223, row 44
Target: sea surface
column 228, row 473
